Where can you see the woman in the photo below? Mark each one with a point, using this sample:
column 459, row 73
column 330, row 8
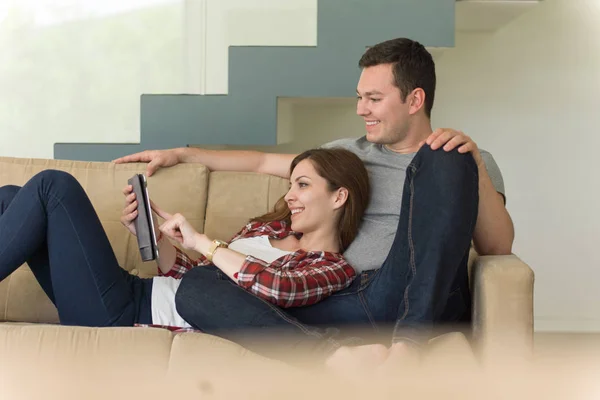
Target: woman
column 290, row 257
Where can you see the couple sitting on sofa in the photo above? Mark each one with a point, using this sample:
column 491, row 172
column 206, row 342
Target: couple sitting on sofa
column 409, row 258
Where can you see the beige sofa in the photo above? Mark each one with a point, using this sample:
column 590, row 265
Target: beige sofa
column 217, row 203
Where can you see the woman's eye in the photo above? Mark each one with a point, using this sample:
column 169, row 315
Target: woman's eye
column 302, row 184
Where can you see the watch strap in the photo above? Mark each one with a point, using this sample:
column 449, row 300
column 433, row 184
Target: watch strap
column 213, row 247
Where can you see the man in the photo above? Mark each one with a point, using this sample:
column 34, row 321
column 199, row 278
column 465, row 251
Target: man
column 426, row 206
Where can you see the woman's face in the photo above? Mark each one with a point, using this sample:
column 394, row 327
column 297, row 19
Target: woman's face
column 312, row 204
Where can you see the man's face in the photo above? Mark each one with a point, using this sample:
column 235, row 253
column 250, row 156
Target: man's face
column 380, row 104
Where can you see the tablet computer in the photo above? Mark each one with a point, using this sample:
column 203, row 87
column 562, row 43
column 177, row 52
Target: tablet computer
column 144, row 222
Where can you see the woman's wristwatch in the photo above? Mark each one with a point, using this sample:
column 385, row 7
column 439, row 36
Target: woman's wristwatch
column 213, row 247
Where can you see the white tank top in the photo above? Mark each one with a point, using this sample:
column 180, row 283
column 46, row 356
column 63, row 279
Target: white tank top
column 164, row 287
column 259, row 247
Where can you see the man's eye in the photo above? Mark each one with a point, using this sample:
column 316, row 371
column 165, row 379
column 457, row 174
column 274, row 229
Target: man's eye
column 358, row 98
column 375, row 100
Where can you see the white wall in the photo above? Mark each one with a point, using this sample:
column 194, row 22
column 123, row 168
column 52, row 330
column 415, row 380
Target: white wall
column 318, row 121
column 70, row 74
column 252, row 23
column 75, row 72
column 529, row 94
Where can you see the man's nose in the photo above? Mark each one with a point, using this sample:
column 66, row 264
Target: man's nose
column 361, row 109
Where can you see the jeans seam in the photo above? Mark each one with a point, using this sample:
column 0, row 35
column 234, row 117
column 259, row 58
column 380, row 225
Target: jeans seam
column 363, row 302
column 84, row 252
column 345, row 294
column 411, row 246
column 10, row 242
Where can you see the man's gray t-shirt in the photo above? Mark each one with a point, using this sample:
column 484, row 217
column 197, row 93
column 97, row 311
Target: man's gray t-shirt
column 387, row 172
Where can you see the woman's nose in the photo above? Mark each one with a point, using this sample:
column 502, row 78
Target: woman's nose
column 289, row 195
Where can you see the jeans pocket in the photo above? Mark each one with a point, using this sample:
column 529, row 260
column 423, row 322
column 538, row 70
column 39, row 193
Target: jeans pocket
column 366, row 277
column 355, row 287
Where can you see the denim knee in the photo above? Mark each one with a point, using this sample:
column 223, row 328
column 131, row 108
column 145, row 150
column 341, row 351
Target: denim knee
column 7, row 194
column 55, row 176
column 61, row 180
column 451, row 156
column 195, row 289
column 447, row 161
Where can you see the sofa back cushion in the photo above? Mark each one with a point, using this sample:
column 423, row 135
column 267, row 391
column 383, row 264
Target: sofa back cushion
column 235, row 197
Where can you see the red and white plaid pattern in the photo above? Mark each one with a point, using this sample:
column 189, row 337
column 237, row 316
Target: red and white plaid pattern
column 297, row 279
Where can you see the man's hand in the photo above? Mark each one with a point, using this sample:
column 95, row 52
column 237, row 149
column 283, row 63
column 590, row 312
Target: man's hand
column 155, row 158
column 451, row 139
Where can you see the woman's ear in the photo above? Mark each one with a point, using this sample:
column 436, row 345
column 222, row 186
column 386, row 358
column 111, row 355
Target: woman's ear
column 341, row 196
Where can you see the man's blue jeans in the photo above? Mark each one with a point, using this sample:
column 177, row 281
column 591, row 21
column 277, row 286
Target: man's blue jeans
column 422, row 284
column 51, row 224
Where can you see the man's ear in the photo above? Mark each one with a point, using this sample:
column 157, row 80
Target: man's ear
column 417, row 100
column 341, row 197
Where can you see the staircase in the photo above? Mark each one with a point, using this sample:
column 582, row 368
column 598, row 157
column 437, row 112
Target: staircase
column 261, row 78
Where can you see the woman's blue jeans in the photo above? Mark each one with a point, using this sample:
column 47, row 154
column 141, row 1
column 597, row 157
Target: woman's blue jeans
column 50, row 224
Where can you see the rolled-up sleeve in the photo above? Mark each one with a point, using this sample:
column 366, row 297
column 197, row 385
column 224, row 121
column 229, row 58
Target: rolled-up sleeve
column 296, row 282
column 183, row 263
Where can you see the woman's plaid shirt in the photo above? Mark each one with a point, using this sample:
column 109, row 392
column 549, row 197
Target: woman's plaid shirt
column 297, row 279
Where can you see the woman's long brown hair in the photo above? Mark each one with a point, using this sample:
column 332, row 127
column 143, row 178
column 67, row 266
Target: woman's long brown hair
column 340, row 168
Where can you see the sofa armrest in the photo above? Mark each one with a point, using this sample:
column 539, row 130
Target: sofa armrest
column 502, row 307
